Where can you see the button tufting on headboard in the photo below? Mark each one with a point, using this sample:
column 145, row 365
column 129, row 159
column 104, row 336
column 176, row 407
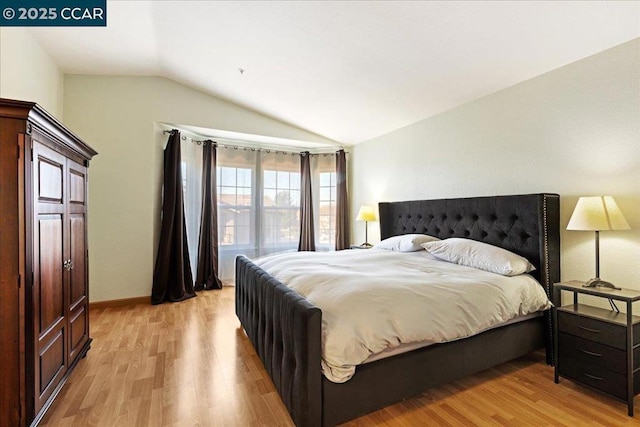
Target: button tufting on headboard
column 511, row 222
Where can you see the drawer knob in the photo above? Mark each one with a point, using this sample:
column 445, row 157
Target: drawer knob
column 593, row 377
column 590, row 353
column 595, row 331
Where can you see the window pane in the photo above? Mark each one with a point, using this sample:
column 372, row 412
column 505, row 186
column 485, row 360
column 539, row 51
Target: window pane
column 243, row 235
column 269, row 179
column 325, row 179
column 283, row 179
column 295, row 198
column 269, row 197
column 325, row 194
column 283, row 198
column 243, row 217
column 244, row 197
column 295, row 180
column 228, row 176
column 327, row 197
column 244, row 177
column 227, row 196
column 228, row 235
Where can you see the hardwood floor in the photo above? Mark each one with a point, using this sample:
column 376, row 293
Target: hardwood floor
column 190, row 364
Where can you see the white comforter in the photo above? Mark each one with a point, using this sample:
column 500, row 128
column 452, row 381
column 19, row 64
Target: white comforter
column 374, row 299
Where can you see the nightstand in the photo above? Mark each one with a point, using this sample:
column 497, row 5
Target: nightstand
column 360, row 247
column 596, row 347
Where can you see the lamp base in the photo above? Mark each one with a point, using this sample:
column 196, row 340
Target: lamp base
column 366, row 245
column 596, row 282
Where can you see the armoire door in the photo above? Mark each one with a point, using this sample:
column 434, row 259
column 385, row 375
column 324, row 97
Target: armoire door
column 49, row 278
column 77, row 261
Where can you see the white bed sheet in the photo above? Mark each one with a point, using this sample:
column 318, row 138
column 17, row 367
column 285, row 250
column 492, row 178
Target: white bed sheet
column 405, row 348
column 373, row 300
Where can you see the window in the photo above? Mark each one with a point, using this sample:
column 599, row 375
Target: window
column 234, row 206
column 259, row 203
column 323, row 172
column 281, row 208
column 327, row 209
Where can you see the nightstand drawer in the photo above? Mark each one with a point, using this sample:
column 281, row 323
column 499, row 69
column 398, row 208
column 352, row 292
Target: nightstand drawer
column 580, row 351
column 597, row 377
column 594, row 330
column 591, row 342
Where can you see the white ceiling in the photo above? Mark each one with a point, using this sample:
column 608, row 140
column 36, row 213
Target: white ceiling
column 346, row 70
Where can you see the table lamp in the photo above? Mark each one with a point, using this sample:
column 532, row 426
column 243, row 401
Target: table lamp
column 597, row 214
column 366, row 214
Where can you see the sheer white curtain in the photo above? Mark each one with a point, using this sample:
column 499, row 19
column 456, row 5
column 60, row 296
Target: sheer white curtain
column 237, row 197
column 323, row 179
column 279, row 219
column 258, row 202
column 192, row 189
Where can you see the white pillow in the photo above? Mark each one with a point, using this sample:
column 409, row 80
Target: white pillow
column 405, row 242
column 479, row 255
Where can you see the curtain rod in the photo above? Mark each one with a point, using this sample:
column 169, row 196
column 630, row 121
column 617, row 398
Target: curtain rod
column 245, row 148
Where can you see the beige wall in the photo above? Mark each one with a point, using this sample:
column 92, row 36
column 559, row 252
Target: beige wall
column 28, row 73
column 117, row 116
column 573, row 131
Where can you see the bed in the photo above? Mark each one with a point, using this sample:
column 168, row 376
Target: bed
column 285, row 328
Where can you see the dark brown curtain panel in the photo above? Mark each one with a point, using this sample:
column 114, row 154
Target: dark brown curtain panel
column 307, row 239
column 172, row 277
column 207, row 274
column 343, row 236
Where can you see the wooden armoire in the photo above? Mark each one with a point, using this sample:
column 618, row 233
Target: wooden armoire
column 44, row 286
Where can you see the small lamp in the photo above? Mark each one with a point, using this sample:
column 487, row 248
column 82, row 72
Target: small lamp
column 366, row 214
column 597, row 214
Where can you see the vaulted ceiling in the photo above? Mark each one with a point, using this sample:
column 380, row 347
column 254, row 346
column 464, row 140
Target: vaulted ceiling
column 346, row 70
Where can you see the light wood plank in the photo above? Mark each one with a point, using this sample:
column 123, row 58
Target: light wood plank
column 190, row 364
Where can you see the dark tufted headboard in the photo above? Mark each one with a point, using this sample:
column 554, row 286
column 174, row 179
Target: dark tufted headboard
column 528, row 225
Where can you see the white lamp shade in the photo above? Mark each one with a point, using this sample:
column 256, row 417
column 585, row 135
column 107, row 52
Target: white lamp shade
column 597, row 214
column 366, row 213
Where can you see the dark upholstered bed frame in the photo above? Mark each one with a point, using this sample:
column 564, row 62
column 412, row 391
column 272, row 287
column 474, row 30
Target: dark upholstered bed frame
column 285, row 328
